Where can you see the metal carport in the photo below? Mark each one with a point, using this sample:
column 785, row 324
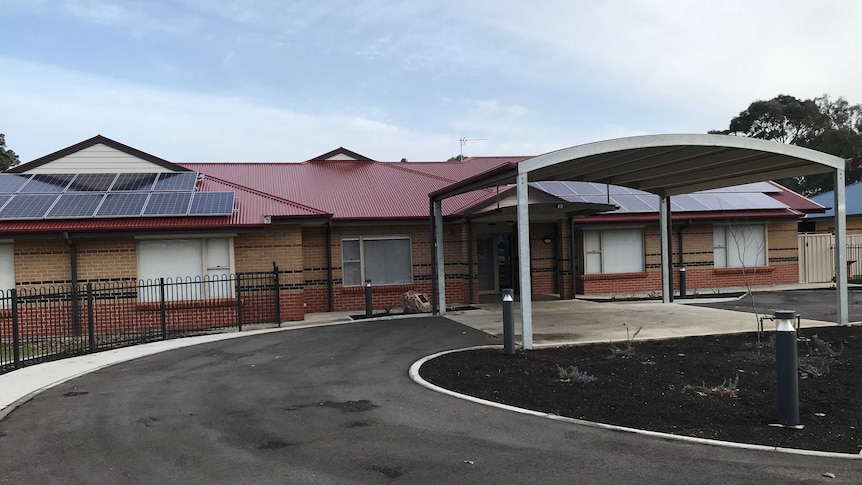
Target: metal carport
column 665, row 165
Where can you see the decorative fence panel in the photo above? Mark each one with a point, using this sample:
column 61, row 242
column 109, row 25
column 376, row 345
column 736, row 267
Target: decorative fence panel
column 49, row 323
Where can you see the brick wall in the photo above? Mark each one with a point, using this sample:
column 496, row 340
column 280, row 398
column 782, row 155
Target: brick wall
column 384, row 296
column 701, row 273
column 45, row 263
column 282, row 244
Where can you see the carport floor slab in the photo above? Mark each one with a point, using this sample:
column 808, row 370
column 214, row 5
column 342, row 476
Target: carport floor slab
column 579, row 321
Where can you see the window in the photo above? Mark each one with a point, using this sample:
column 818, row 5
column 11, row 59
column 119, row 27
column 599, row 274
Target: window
column 385, row 260
column 187, row 259
column 7, row 267
column 614, row 251
column 738, row 246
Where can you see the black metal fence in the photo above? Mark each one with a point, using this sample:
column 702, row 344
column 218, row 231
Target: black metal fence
column 854, row 261
column 54, row 322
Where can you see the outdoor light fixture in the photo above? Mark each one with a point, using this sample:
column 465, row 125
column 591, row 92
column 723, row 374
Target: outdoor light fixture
column 546, row 239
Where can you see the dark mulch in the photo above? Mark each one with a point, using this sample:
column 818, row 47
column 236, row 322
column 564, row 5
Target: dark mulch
column 675, row 386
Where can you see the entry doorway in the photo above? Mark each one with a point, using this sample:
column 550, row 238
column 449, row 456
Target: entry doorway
column 496, row 264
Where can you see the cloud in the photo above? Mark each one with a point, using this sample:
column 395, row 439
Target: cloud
column 47, row 109
column 700, row 56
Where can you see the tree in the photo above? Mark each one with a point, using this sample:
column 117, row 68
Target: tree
column 456, row 158
column 823, row 124
column 8, row 158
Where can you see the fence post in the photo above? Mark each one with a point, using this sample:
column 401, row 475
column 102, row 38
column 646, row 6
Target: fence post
column 238, row 304
column 91, row 327
column 16, row 341
column 163, row 311
column 277, row 281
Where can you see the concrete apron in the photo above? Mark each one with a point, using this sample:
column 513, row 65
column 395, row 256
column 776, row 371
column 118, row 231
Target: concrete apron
column 578, row 321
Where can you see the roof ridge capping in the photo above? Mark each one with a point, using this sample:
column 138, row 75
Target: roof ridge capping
column 96, row 140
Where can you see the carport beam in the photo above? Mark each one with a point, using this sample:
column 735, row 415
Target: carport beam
column 438, row 250
column 841, row 248
column 526, row 287
column 664, row 229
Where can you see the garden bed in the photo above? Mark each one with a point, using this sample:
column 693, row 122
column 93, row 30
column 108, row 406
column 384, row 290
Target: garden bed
column 717, row 387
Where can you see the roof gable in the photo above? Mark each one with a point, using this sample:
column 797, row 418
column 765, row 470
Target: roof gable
column 340, row 154
column 97, row 154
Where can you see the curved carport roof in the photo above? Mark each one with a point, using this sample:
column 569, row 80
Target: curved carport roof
column 665, row 165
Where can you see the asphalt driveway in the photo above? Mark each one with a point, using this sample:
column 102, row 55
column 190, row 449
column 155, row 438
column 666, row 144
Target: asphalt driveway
column 335, row 405
column 816, row 304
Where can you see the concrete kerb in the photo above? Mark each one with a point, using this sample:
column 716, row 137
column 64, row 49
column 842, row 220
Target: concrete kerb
column 414, row 375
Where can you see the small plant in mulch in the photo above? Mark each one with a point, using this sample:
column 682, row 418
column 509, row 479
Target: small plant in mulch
column 575, row 375
column 727, row 388
column 818, row 357
column 627, row 350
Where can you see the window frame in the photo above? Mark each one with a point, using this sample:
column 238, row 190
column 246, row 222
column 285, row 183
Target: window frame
column 205, row 274
column 361, row 260
column 725, row 227
column 10, row 246
column 600, row 232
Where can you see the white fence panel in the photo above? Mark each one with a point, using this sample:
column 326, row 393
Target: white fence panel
column 817, row 257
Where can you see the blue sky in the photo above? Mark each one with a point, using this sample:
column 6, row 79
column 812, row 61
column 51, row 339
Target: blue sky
column 201, row 80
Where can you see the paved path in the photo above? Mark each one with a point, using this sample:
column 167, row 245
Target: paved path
column 335, row 405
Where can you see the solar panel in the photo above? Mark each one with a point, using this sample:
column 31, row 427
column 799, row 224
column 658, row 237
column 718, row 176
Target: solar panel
column 92, row 182
column 75, row 205
column 168, row 204
column 134, row 181
column 11, row 182
column 212, row 204
column 47, row 183
column 129, row 204
column 176, row 181
column 28, row 206
column 4, row 199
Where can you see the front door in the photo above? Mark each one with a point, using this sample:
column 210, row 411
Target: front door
column 496, row 268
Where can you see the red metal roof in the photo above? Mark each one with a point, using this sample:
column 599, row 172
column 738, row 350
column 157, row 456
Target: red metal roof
column 349, row 190
column 346, row 190
column 795, row 201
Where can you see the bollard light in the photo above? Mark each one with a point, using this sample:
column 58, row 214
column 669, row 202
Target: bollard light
column 786, row 370
column 682, row 282
column 508, row 322
column 369, row 305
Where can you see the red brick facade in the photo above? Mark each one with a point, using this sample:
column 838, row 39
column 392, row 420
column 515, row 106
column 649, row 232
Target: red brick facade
column 701, row 273
column 301, row 256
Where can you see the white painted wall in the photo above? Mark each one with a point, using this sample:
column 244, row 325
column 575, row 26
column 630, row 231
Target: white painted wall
column 98, row 158
column 341, row 156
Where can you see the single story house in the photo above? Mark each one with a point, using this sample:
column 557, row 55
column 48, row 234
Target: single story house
column 102, row 211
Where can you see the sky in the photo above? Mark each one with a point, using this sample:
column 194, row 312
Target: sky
column 282, row 80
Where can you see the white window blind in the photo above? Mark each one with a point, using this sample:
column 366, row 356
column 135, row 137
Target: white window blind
column 614, row 251
column 741, row 245
column 385, row 260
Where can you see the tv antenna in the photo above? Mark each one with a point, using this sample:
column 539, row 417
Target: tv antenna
column 464, row 142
